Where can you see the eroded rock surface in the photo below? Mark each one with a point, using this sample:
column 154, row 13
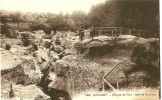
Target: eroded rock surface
column 25, row 73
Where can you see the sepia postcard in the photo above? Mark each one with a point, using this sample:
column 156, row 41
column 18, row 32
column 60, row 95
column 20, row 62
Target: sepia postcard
column 80, row 49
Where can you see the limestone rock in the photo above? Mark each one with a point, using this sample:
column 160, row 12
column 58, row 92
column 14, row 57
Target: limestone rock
column 23, row 92
column 42, row 55
column 24, row 73
column 59, row 83
column 58, row 48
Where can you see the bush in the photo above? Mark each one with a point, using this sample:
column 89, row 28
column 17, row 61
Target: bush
column 4, row 28
column 7, row 46
column 25, row 39
column 41, row 26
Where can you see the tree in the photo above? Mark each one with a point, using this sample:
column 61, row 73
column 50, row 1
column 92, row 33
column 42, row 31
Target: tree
column 78, row 18
column 16, row 18
column 4, row 25
column 138, row 14
column 59, row 22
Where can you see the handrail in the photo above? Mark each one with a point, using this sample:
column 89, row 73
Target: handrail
column 111, row 69
column 107, row 81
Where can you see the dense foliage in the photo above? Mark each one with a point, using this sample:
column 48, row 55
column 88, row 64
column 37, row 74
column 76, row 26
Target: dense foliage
column 138, row 14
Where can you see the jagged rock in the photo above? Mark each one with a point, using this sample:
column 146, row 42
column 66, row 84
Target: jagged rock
column 59, row 83
column 73, row 74
column 45, row 41
column 59, row 39
column 65, row 53
column 42, row 55
column 47, row 44
column 53, row 56
column 61, row 67
column 24, row 73
column 7, row 60
column 32, row 92
column 46, row 36
column 43, row 65
column 58, row 48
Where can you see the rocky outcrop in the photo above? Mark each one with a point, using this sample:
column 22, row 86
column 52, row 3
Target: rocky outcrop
column 25, row 73
column 74, row 75
column 32, row 92
column 42, row 55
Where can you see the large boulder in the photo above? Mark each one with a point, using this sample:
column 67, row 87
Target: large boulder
column 73, row 74
column 59, row 83
column 7, row 60
column 46, row 42
column 54, row 56
column 46, row 36
column 25, row 73
column 42, row 55
column 58, row 48
column 31, row 92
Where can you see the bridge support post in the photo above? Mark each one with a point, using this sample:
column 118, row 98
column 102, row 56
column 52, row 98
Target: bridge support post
column 112, row 33
column 130, row 32
column 120, row 31
column 99, row 33
column 115, row 32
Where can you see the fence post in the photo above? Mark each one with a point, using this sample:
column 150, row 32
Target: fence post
column 120, row 31
column 101, row 31
column 117, row 85
column 112, row 33
column 130, row 32
column 115, row 31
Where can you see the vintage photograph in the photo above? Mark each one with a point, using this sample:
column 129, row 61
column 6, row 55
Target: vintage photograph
column 80, row 49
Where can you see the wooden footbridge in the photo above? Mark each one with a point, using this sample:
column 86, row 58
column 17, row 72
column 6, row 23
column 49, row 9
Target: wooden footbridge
column 116, row 31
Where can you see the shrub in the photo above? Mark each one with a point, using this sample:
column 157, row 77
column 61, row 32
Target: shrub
column 7, row 46
column 25, row 39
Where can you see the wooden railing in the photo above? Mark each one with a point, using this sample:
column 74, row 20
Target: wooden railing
column 108, row 82
column 116, row 31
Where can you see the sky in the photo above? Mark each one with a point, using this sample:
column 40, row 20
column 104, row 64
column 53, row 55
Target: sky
column 54, row 6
